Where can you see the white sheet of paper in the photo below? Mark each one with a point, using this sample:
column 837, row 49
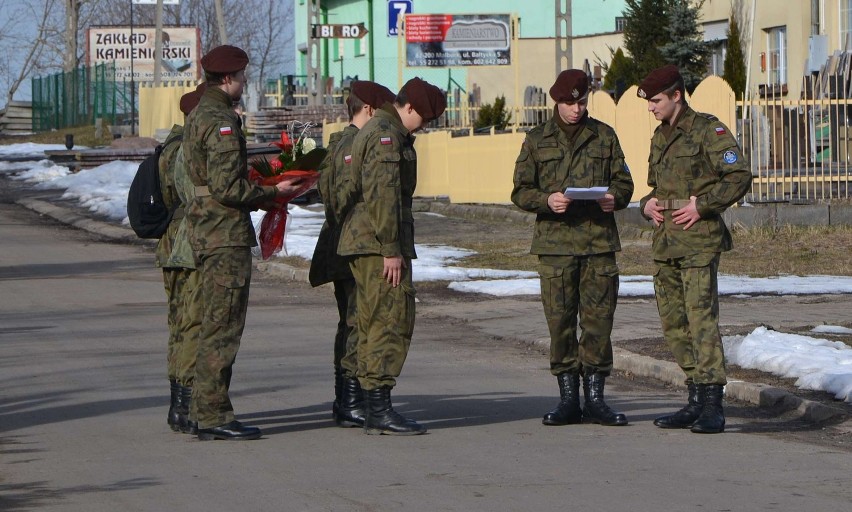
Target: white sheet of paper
column 585, row 193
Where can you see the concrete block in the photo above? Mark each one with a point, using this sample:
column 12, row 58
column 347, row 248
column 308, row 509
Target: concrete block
column 803, row 215
column 840, row 215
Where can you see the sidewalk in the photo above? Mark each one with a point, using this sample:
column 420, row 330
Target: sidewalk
column 521, row 320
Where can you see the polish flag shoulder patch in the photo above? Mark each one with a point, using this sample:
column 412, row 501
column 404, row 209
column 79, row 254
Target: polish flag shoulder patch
column 347, row 159
column 386, row 141
column 225, row 130
column 720, row 130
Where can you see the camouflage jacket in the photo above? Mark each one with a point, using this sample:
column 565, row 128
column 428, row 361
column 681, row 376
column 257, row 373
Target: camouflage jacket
column 548, row 163
column 381, row 185
column 326, row 265
column 167, row 161
column 214, row 150
column 700, row 159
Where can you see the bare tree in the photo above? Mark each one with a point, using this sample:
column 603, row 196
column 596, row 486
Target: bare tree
column 18, row 67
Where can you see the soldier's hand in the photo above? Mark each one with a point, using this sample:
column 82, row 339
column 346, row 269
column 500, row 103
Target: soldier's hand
column 607, row 203
column 288, row 187
column 688, row 215
column 392, row 271
column 558, row 202
column 654, row 211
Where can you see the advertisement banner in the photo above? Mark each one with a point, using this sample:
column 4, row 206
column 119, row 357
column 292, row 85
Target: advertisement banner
column 113, row 44
column 443, row 40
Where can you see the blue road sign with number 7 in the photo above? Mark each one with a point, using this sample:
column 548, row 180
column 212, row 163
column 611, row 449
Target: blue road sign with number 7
column 396, row 10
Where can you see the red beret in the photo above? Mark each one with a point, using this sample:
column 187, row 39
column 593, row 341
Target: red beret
column 658, row 81
column 571, row 85
column 224, row 59
column 371, row 93
column 426, row 99
column 190, row 100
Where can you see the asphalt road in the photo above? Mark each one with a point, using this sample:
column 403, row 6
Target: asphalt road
column 83, row 398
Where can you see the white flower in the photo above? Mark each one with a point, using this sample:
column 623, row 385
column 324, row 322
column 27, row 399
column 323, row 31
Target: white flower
column 308, row 145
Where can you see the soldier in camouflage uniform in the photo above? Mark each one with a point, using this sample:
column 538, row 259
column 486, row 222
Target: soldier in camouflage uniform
column 180, row 280
column 221, row 234
column 576, row 241
column 364, row 99
column 696, row 171
column 378, row 233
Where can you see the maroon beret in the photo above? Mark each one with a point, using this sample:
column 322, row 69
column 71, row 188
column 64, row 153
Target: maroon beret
column 571, row 85
column 426, row 99
column 658, row 81
column 190, row 100
column 371, row 93
column 224, row 59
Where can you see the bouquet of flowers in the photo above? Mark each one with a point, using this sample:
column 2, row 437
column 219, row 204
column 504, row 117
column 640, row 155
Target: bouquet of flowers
column 297, row 163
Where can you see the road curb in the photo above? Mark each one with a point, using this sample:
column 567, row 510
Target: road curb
column 624, row 360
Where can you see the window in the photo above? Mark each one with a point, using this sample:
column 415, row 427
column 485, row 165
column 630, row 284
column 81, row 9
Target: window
column 777, row 55
column 845, row 21
column 716, row 63
column 359, row 48
column 619, row 23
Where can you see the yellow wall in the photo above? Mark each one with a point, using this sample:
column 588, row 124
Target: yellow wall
column 159, row 108
column 479, row 169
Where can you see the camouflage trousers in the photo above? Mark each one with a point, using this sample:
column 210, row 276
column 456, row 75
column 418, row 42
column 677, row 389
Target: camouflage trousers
column 346, row 337
column 586, row 286
column 688, row 301
column 225, row 275
column 385, row 321
column 183, row 291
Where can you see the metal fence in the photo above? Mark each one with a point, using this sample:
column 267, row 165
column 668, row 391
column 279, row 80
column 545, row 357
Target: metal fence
column 78, row 97
column 800, row 150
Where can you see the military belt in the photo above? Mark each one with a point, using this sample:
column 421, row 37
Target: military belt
column 673, row 204
column 201, row 191
column 179, row 213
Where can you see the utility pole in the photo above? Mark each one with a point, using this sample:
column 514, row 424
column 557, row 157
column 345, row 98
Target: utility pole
column 220, row 20
column 158, row 44
column 315, row 88
column 564, row 45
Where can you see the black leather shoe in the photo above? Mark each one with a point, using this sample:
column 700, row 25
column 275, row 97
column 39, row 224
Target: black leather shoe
column 568, row 411
column 186, row 426
column 382, row 419
column 233, row 431
column 685, row 417
column 712, row 418
column 595, row 409
column 351, row 412
column 173, row 418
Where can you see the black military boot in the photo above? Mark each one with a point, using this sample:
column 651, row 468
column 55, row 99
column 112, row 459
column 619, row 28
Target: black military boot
column 685, row 417
column 173, row 418
column 338, row 392
column 595, row 410
column 350, row 413
column 712, row 417
column 382, row 419
column 186, row 425
column 568, row 411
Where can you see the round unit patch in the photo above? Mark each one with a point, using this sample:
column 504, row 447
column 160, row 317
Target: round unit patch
column 730, row 157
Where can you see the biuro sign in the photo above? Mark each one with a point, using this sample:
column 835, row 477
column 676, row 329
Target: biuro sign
column 180, row 57
column 442, row 40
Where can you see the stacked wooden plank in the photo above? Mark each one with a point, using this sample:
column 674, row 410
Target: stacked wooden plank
column 17, row 118
column 267, row 124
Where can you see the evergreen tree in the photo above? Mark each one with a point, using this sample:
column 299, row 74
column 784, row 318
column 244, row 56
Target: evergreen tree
column 620, row 73
column 735, row 66
column 645, row 31
column 686, row 47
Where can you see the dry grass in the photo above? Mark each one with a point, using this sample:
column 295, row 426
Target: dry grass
column 758, row 252
column 83, row 136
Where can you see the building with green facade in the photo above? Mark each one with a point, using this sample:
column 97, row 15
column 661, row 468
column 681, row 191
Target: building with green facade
column 375, row 56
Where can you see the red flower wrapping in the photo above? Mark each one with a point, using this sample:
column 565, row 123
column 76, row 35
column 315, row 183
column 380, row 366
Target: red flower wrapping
column 274, row 222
